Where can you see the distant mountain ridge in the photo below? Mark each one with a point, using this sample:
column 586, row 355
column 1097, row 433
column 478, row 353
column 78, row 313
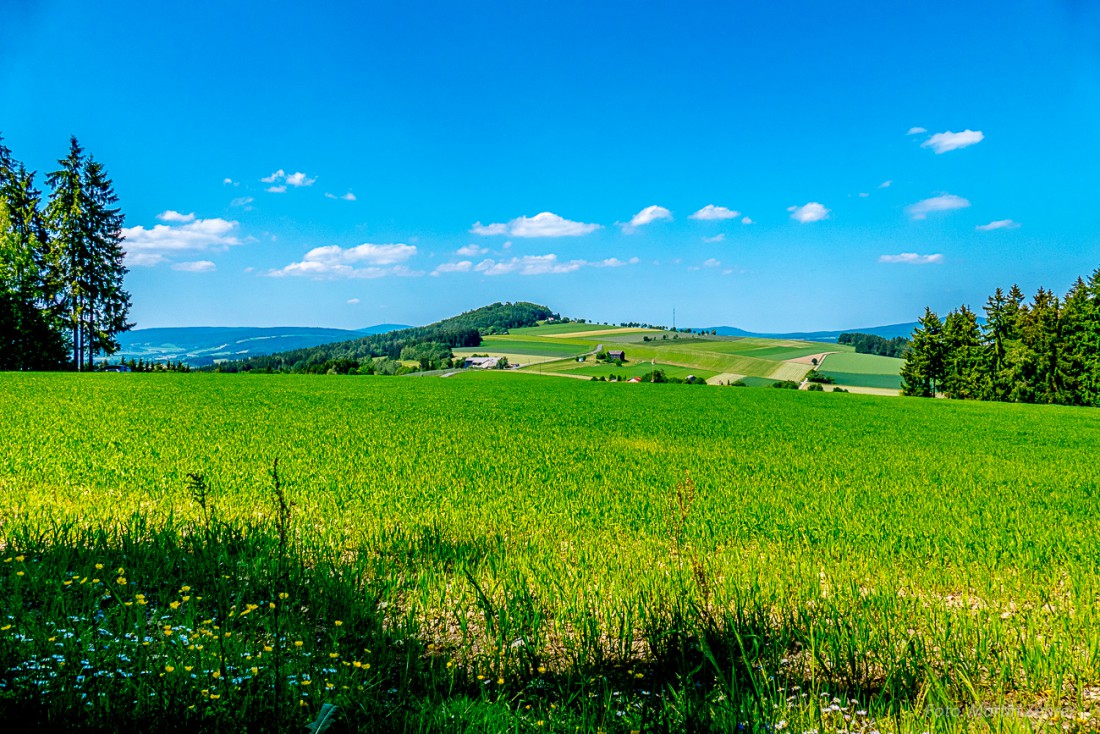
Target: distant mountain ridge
column 888, row 331
column 200, row 346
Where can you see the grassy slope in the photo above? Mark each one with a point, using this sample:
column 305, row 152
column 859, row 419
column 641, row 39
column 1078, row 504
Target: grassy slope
column 902, row 550
column 867, row 370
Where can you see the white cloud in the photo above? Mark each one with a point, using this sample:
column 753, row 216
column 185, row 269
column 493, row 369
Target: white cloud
column 144, row 259
column 276, row 189
column 229, row 182
column 146, row 247
column 746, row 220
column 353, row 301
column 299, row 179
column 998, row 224
column 720, row 237
column 174, row 216
column 943, row 142
column 362, row 261
column 544, row 224
column 710, row 211
column 459, row 267
column 284, row 179
column 242, row 201
column 471, row 250
column 712, row 263
column 886, row 184
column 650, row 214
column 345, row 197
column 911, row 258
column 488, row 229
column 811, row 212
column 941, row 203
column 196, row 266
column 863, row 194
column 916, row 131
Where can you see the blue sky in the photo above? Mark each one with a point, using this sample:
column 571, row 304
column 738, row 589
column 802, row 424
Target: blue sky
column 377, row 162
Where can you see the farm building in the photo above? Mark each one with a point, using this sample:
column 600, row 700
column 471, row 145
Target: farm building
column 480, row 363
column 616, row 354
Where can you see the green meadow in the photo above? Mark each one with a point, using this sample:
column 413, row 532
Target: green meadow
column 509, row 552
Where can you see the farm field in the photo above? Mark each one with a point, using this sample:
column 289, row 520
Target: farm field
column 867, row 370
column 514, row 553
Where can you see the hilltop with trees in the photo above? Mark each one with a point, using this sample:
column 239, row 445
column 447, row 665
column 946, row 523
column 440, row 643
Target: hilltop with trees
column 430, row 346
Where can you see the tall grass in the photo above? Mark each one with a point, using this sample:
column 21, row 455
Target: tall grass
column 522, row 554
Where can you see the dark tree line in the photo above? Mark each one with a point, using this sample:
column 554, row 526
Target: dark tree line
column 875, row 344
column 1043, row 351
column 430, row 345
column 62, row 301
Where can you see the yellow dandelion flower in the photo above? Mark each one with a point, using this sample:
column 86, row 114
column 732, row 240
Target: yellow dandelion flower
column 338, row 623
column 18, row 573
column 99, row 566
column 284, row 595
column 121, row 581
column 95, row 581
column 66, row 583
column 216, row 674
column 185, row 589
column 255, row 671
column 500, row 681
column 271, row 604
column 298, row 643
column 168, row 668
column 215, row 696
column 188, row 668
column 542, row 668
column 5, row 628
column 187, row 598
column 268, row 648
column 175, row 605
column 121, row 571
column 334, row 655
column 307, row 682
column 19, row 559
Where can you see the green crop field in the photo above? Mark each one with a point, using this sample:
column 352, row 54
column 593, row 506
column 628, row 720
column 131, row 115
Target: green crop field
column 515, row 553
column 863, row 370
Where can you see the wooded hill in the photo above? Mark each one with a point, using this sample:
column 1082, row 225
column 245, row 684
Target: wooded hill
column 379, row 353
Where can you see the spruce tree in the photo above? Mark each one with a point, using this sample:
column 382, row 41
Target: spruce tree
column 87, row 254
column 30, row 334
column 923, row 369
column 964, row 358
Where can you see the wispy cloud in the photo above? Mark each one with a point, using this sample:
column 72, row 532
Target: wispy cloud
column 344, row 197
column 811, row 212
column 146, row 247
column 712, row 212
column 916, row 131
column 353, row 301
column 912, row 258
column 276, row 189
column 544, row 224
column 471, row 250
column 544, row 265
column 176, row 217
column 712, row 263
column 886, row 184
column 746, row 220
column 941, row 203
column 646, row 216
column 229, row 182
column 998, row 224
column 463, row 266
column 195, row 266
column 720, row 237
column 946, row 141
column 282, row 179
column 242, row 201
column 333, row 262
